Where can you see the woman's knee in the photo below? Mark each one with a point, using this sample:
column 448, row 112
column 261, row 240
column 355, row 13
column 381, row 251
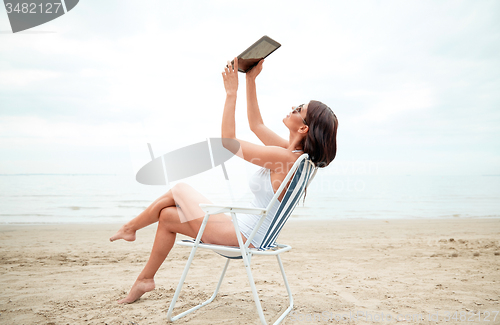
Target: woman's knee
column 172, row 220
column 181, row 186
column 168, row 216
column 180, row 189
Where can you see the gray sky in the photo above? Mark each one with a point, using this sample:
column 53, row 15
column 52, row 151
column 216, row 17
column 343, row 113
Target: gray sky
column 415, row 84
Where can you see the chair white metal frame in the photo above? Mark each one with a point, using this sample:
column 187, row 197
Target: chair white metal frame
column 303, row 171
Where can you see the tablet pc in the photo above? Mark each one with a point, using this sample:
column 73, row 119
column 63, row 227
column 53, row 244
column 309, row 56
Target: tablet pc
column 256, row 52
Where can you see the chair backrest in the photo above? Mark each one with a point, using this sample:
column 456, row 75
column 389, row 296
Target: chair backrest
column 302, row 171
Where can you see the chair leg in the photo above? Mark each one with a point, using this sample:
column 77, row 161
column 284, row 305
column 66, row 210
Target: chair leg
column 246, row 261
column 256, row 296
column 178, row 290
column 290, row 298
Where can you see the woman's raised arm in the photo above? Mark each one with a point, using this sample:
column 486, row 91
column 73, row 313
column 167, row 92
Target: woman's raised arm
column 271, row 157
column 230, row 77
column 266, row 135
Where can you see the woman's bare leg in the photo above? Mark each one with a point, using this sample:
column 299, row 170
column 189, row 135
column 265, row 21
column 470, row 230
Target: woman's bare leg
column 164, row 240
column 149, row 216
column 184, row 220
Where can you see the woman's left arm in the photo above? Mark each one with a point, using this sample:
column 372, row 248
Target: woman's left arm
column 271, row 157
column 230, row 76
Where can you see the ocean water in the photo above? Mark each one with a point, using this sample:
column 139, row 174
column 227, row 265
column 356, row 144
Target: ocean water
column 118, row 198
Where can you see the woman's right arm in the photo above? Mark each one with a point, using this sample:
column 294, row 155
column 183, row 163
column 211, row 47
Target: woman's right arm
column 266, row 135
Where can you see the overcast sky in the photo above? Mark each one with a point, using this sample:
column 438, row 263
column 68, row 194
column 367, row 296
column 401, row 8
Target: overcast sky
column 415, row 84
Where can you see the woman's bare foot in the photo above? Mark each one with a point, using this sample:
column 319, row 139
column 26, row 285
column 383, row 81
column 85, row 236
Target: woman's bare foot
column 139, row 288
column 125, row 233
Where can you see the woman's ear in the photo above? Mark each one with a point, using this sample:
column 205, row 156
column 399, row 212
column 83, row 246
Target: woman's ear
column 304, row 129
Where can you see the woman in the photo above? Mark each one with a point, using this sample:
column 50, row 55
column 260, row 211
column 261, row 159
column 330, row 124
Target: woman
column 313, row 129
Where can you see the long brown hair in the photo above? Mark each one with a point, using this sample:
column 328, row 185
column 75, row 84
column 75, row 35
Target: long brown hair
column 321, row 140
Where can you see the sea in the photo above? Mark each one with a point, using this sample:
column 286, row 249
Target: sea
column 109, row 198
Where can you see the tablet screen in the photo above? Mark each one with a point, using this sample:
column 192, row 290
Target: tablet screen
column 258, row 51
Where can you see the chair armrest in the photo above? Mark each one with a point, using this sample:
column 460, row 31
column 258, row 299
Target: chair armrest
column 214, row 209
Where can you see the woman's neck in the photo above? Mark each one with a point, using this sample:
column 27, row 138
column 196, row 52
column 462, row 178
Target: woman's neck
column 295, row 144
column 296, row 147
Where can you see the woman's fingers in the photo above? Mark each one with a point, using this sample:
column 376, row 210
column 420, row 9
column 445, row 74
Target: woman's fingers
column 231, row 67
column 230, row 77
column 228, row 69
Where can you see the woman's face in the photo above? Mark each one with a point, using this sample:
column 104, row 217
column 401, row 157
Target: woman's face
column 296, row 118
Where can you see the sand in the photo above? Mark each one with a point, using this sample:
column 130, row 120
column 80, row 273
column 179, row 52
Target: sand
column 72, row 274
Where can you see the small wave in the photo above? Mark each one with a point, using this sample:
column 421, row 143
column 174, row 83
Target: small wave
column 40, row 195
column 24, row 215
column 80, row 208
column 131, row 207
column 41, row 174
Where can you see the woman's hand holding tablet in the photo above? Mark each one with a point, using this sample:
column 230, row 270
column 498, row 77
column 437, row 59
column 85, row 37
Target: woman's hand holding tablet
column 256, row 52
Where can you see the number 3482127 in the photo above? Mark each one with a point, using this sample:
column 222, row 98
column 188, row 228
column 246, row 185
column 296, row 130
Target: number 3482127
column 33, row 8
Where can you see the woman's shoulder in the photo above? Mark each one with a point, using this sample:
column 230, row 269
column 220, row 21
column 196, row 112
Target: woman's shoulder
column 284, row 166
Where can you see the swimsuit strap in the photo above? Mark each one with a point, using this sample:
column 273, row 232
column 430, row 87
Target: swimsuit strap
column 298, row 150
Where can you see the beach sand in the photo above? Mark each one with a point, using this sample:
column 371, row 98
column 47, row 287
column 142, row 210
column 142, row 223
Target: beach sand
column 72, row 274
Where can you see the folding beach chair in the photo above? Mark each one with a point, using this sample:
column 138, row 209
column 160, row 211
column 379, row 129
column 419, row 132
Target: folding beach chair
column 303, row 171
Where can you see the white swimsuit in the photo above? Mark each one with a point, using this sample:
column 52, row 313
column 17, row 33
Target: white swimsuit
column 262, row 188
column 260, row 185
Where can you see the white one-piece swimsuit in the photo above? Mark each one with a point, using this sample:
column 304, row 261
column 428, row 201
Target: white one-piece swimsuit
column 260, row 185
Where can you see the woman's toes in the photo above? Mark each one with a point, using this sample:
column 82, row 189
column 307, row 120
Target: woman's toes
column 139, row 288
column 124, row 233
